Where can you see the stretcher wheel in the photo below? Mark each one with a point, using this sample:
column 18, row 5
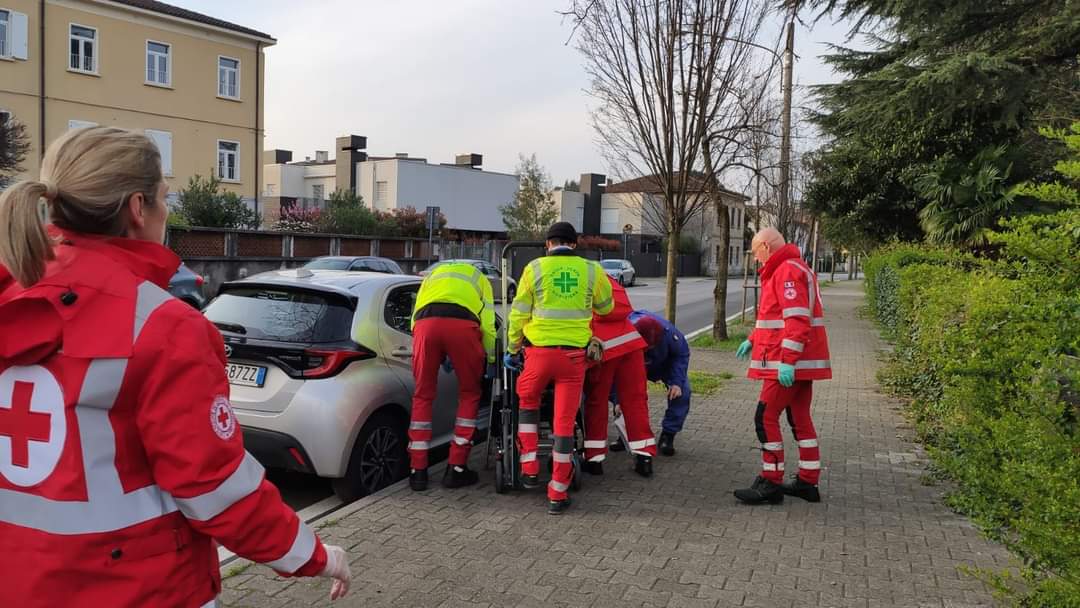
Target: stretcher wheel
column 500, row 480
column 575, row 480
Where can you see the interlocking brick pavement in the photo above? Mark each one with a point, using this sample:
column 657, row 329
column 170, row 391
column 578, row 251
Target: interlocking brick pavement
column 881, row 537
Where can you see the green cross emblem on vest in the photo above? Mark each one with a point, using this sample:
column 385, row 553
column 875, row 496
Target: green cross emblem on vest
column 565, row 282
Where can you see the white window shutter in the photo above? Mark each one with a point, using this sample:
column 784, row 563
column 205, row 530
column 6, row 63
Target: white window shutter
column 163, row 141
column 20, row 29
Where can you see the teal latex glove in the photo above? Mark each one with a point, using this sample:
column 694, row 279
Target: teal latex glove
column 786, row 375
column 743, row 353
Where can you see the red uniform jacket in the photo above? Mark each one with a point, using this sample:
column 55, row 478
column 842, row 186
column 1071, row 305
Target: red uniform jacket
column 615, row 329
column 790, row 324
column 120, row 457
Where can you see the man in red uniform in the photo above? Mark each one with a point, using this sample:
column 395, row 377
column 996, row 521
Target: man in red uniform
column 453, row 327
column 789, row 350
column 122, row 460
column 623, row 367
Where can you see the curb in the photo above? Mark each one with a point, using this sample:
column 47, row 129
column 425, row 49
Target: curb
column 698, row 332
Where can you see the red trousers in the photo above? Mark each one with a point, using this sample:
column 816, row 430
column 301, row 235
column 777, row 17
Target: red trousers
column 566, row 368
column 434, row 339
column 627, row 373
column 774, row 399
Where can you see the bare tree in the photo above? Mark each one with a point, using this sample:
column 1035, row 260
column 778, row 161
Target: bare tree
column 660, row 72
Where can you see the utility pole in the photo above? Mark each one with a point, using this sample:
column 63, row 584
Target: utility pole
column 784, row 214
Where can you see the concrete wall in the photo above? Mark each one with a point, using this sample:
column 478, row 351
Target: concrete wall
column 571, row 207
column 118, row 93
column 469, row 199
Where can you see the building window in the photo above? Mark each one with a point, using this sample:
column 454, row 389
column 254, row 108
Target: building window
column 228, row 77
column 158, row 63
column 5, row 33
column 80, row 124
column 83, row 42
column 382, row 190
column 5, row 116
column 271, row 190
column 317, row 192
column 228, row 160
column 163, row 141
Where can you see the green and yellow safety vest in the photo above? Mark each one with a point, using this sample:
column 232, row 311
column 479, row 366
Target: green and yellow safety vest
column 464, row 285
column 556, row 298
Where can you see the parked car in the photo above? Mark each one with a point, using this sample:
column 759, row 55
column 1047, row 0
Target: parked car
column 620, row 270
column 186, row 285
column 320, row 364
column 366, row 263
column 490, row 270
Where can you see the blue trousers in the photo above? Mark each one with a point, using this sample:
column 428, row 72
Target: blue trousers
column 677, row 409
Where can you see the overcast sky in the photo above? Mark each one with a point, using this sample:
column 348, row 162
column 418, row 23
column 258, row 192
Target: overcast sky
column 434, row 78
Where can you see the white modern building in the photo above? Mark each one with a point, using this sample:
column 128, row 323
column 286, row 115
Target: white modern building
column 467, row 196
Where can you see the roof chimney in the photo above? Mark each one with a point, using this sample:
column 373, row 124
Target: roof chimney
column 349, row 152
column 469, row 160
column 321, row 156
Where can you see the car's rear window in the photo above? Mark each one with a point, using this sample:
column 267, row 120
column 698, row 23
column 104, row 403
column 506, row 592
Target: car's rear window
column 282, row 314
column 328, row 264
column 612, row 264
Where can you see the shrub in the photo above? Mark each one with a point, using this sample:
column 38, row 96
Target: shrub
column 987, row 353
column 293, row 219
column 203, row 203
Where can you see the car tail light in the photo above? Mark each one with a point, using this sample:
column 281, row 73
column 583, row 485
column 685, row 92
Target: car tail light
column 199, row 280
column 323, row 363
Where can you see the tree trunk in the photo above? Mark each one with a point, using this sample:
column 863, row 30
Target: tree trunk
column 672, row 271
column 719, row 328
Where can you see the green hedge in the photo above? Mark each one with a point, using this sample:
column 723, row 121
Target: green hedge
column 987, row 351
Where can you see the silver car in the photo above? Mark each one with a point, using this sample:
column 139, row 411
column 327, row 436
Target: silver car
column 620, row 270
column 320, row 363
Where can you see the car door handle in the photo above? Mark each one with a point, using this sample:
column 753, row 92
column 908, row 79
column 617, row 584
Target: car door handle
column 401, row 351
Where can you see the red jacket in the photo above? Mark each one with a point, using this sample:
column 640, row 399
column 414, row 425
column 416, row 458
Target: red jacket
column 790, row 324
column 615, row 328
column 121, row 458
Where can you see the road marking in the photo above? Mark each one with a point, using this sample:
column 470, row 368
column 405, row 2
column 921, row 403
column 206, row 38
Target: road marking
column 698, row 332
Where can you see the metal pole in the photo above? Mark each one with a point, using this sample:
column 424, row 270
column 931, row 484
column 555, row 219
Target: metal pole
column 785, row 141
column 745, row 275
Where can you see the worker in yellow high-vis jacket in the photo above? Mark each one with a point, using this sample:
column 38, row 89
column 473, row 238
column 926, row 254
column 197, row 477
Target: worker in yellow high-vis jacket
column 453, row 325
column 551, row 318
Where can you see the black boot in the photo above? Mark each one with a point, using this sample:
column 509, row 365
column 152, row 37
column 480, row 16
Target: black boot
column 593, row 468
column 802, row 489
column 617, row 446
column 530, row 481
column 556, row 507
column 418, row 480
column 761, row 491
column 643, row 465
column 667, row 443
column 458, row 476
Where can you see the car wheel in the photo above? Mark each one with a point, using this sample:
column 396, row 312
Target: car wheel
column 378, row 459
column 632, row 279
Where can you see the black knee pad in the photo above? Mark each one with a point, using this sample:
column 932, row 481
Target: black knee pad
column 791, row 423
column 759, row 422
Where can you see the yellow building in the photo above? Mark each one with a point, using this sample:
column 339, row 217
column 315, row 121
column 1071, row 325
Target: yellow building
column 191, row 82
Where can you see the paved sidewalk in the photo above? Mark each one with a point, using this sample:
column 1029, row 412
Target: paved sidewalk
column 882, row 536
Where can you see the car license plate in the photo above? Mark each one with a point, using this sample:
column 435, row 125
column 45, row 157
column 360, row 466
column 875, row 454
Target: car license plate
column 246, row 375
